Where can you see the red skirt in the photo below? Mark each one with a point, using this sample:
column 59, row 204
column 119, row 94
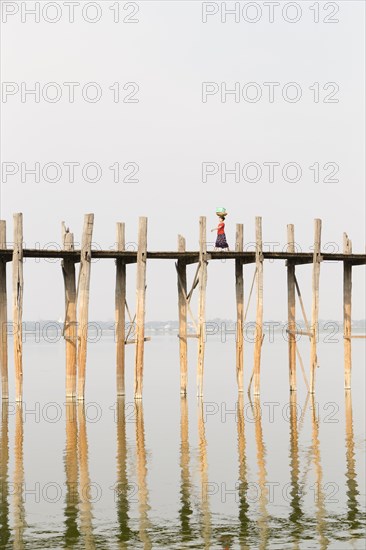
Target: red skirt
column 221, row 241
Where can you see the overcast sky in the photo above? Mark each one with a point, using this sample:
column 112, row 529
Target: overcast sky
column 162, row 71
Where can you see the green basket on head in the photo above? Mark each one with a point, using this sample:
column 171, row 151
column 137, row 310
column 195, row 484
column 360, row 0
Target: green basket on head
column 220, row 211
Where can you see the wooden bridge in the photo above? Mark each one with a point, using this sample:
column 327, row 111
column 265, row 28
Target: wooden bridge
column 77, row 301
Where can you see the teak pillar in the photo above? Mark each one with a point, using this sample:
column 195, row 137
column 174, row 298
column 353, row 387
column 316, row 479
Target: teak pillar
column 202, row 305
column 239, row 290
column 259, row 314
column 182, row 306
column 315, row 302
column 120, row 308
column 83, row 300
column 69, row 331
column 291, row 308
column 347, row 312
column 3, row 317
column 140, row 306
column 18, row 304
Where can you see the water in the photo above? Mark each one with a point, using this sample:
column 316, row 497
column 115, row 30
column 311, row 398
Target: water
column 223, row 472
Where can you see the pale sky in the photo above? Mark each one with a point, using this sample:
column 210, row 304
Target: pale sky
column 169, row 132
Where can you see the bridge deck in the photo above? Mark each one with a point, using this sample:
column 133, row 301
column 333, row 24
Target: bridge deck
column 130, row 256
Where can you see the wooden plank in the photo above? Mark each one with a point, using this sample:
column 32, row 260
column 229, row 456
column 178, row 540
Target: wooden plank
column 83, row 300
column 301, row 332
column 315, row 302
column 70, row 324
column 182, row 310
column 259, row 313
column 18, row 304
column 347, row 312
column 291, row 305
column 120, row 309
column 140, row 306
column 3, row 318
column 239, row 292
column 202, row 304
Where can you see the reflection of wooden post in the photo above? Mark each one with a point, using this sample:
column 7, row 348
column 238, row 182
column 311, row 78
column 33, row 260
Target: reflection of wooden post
column 140, row 306
column 120, row 300
column 262, row 474
column 259, row 314
column 202, row 305
column 3, row 317
column 243, row 502
column 291, row 308
column 319, row 495
column 186, row 509
column 18, row 304
column 72, row 533
column 295, row 502
column 5, row 532
column 143, row 494
column 83, row 300
column 182, row 304
column 86, row 516
column 347, row 312
column 68, row 271
column 19, row 511
column 205, row 503
column 124, row 533
column 352, row 486
column 315, row 302
column 239, row 288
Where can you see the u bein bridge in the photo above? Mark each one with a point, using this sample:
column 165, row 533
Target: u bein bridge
column 195, row 520
column 77, row 301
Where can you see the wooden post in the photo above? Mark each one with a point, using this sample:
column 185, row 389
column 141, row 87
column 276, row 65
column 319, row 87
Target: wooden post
column 18, row 304
column 239, row 288
column 315, row 302
column 259, row 314
column 291, row 308
column 83, row 300
column 69, row 332
column 120, row 301
column 3, row 317
column 347, row 317
column 182, row 305
column 140, row 306
column 202, row 305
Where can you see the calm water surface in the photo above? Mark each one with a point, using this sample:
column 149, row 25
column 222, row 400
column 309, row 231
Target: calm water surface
column 222, row 472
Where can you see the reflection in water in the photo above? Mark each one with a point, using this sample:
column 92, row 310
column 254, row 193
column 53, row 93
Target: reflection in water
column 19, row 511
column 352, row 487
column 86, row 516
column 72, row 533
column 185, row 484
column 262, row 476
column 243, row 484
column 319, row 495
column 304, row 525
column 124, row 532
column 4, row 465
column 143, row 495
column 205, row 504
column 296, row 514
